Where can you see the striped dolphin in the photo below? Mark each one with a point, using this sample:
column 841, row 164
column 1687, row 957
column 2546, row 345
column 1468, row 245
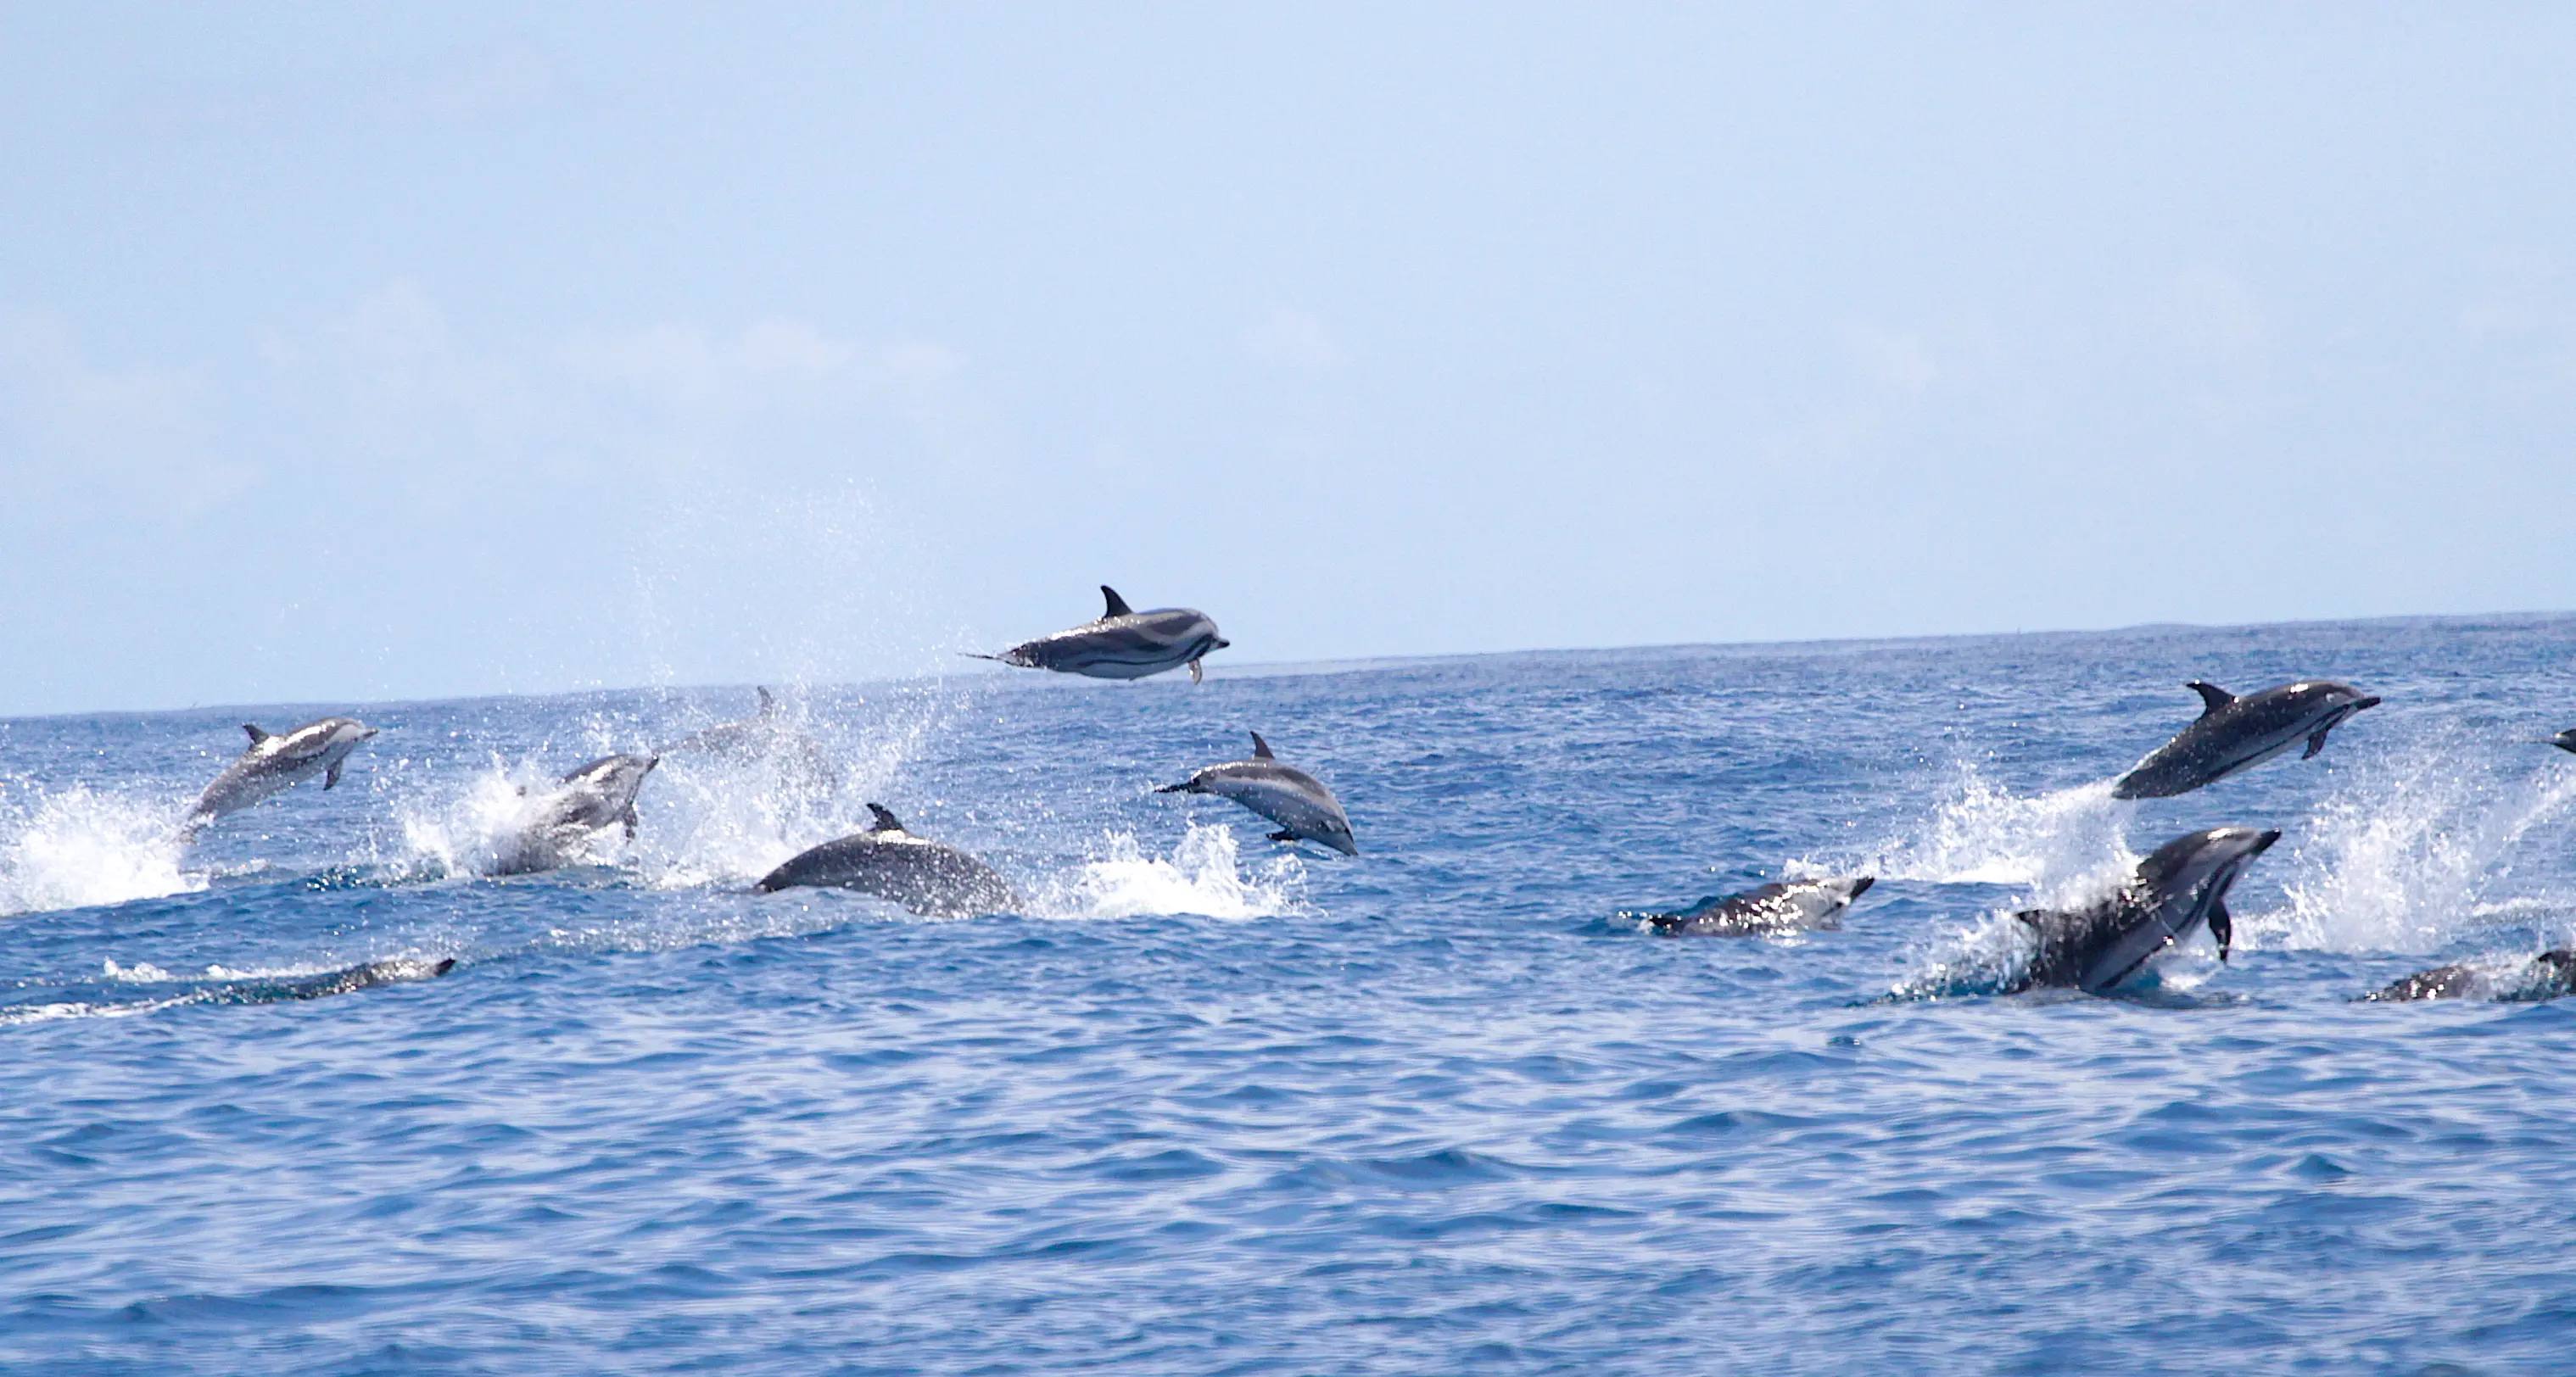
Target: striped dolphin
column 2234, row 733
column 930, row 878
column 1304, row 809
column 276, row 761
column 1122, row 643
column 597, row 795
column 1771, row 910
column 2546, row 976
column 2180, row 886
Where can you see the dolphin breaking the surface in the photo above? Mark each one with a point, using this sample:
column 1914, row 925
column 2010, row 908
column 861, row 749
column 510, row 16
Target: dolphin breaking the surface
column 2234, row 733
column 400, row 970
column 1304, row 809
column 597, row 795
column 1770, row 910
column 2549, row 975
column 930, row 878
column 275, row 762
column 2180, row 886
column 1122, row 643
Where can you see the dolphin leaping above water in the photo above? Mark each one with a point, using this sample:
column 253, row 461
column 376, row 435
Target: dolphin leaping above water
column 2180, row 886
column 1122, row 643
column 1304, row 809
column 275, row 762
column 597, row 795
column 2235, row 733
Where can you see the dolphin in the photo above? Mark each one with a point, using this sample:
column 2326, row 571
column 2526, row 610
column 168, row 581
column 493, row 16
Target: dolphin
column 400, row 970
column 274, row 762
column 1122, row 643
column 2178, row 887
column 1304, row 809
column 2233, row 733
column 2565, row 741
column 930, row 878
column 2546, row 976
column 597, row 795
column 765, row 735
column 1771, row 910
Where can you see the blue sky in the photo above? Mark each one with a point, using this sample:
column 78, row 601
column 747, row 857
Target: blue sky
column 361, row 352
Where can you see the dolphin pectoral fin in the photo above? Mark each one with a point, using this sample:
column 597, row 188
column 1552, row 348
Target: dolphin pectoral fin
column 331, row 776
column 2316, row 743
column 2223, row 927
column 1283, row 836
column 632, row 822
column 2212, row 697
column 1197, row 675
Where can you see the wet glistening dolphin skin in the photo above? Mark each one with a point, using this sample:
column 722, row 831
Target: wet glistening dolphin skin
column 401, row 970
column 1122, row 643
column 275, row 762
column 599, row 794
column 1304, row 809
column 2549, row 975
column 930, row 878
column 2234, row 733
column 1767, row 910
column 2181, row 886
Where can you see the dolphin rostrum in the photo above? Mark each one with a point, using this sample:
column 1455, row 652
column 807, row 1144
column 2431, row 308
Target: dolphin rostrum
column 2546, row 976
column 766, row 735
column 597, row 795
column 1770, row 910
column 2565, row 741
column 1122, row 643
column 930, row 878
column 1304, row 809
column 2233, row 733
column 2180, row 886
column 276, row 761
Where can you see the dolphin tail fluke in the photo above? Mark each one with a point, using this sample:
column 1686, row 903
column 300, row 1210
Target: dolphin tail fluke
column 1197, row 675
column 1117, row 606
column 331, row 776
column 2316, row 743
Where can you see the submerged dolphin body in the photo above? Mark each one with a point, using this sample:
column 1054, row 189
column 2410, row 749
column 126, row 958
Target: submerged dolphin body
column 401, row 970
column 2180, row 886
column 766, row 735
column 930, row 878
column 2234, row 733
column 274, row 763
column 2546, row 976
column 1304, row 809
column 1766, row 911
column 597, row 795
column 1122, row 643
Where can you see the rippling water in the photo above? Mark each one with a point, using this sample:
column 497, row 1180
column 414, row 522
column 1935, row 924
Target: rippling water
column 1216, row 1106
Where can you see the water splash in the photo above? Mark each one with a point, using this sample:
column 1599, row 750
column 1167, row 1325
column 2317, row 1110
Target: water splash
column 2416, row 847
column 1982, row 835
column 79, row 847
column 1203, row 876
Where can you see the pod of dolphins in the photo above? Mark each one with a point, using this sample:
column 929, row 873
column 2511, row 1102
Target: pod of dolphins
column 2178, row 889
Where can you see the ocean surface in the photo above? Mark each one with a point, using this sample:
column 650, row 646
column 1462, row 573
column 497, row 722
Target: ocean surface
column 1216, row 1105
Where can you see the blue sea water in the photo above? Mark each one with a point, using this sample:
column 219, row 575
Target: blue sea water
column 1217, row 1106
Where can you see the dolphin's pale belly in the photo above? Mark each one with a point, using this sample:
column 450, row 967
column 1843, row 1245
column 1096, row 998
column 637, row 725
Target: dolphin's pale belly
column 1286, row 802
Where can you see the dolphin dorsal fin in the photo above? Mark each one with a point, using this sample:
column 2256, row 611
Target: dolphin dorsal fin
column 1117, row 605
column 768, row 704
column 886, row 821
column 256, row 735
column 1261, row 748
column 2212, row 697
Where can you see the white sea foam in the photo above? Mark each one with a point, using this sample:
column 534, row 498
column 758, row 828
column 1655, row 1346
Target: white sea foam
column 77, row 847
column 2414, row 847
column 1203, row 876
column 1982, row 835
